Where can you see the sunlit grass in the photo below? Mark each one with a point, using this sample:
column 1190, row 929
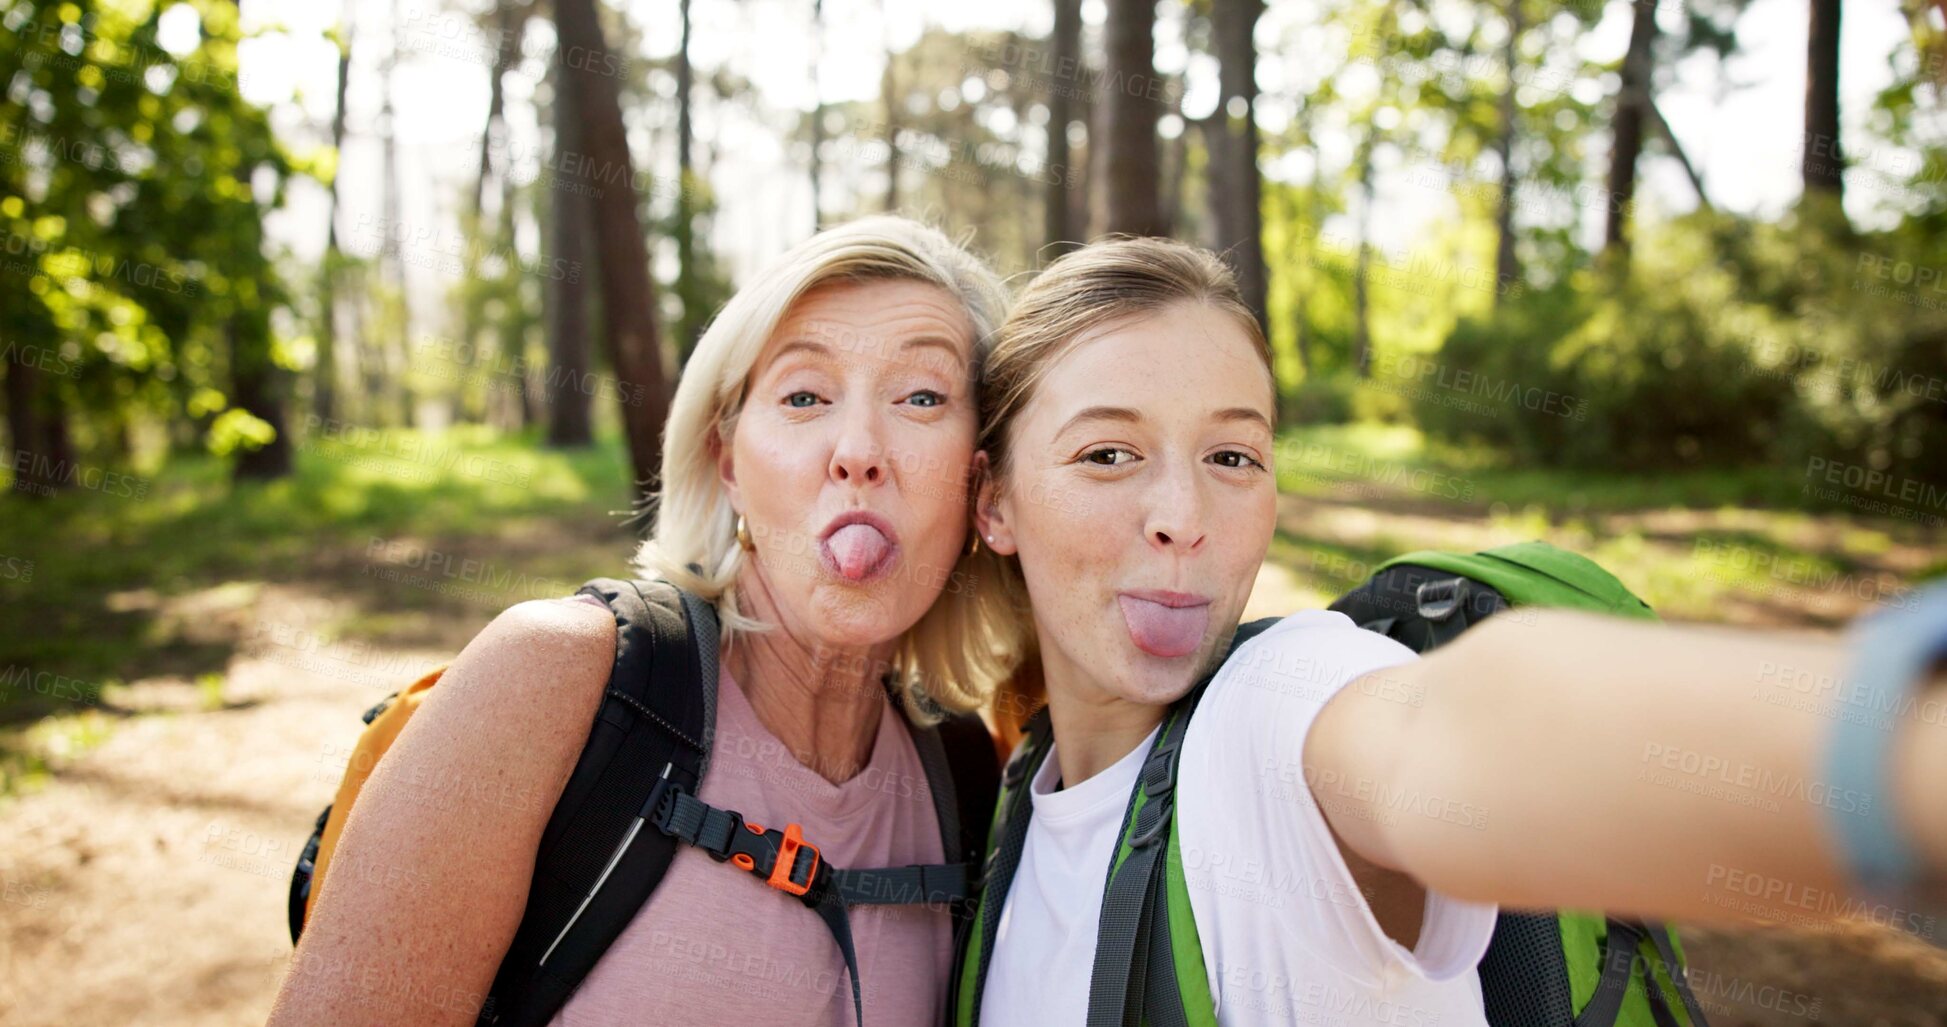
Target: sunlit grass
column 194, row 529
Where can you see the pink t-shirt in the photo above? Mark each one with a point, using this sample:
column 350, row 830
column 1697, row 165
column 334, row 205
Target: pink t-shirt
column 714, row 944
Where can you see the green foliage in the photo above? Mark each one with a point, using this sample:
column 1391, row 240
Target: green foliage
column 1726, row 342
column 132, row 217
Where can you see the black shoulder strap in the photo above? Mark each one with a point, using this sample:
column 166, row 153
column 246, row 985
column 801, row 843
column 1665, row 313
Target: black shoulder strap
column 1004, row 853
column 1015, row 813
column 655, row 724
column 976, row 776
column 1132, row 940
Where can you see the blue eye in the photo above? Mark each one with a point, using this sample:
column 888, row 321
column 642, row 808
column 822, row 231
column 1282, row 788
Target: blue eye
column 801, row 399
column 926, row 398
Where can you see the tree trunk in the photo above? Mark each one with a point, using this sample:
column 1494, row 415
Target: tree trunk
column 324, row 396
column 508, row 31
column 253, row 378
column 889, row 99
column 398, row 330
column 1361, row 301
column 1131, row 102
column 631, row 330
column 1824, row 163
column 1064, row 81
column 1632, row 107
column 817, row 114
column 1507, row 269
column 568, row 403
column 1240, row 217
column 685, row 229
column 37, row 431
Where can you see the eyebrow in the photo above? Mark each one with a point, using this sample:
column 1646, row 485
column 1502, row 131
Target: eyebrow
column 1244, row 414
column 1099, row 413
column 916, row 342
column 1124, row 414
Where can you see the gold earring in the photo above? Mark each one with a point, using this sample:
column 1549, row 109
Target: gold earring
column 743, row 535
column 973, row 542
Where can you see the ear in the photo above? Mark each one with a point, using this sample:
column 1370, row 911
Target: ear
column 726, row 469
column 992, row 509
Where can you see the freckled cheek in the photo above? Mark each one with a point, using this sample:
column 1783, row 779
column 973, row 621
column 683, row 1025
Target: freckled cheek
column 793, row 468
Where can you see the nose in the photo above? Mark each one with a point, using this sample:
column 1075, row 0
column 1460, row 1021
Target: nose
column 858, row 458
column 1175, row 522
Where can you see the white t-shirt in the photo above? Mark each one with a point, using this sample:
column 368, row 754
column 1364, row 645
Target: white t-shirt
column 1286, row 936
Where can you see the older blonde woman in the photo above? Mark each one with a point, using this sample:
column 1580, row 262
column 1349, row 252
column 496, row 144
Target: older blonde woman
column 816, row 468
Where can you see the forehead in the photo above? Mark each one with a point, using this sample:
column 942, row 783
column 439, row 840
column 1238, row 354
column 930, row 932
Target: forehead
column 879, row 321
column 1184, row 361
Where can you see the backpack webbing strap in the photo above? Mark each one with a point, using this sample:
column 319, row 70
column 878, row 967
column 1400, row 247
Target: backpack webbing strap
column 594, row 868
column 1163, row 1005
column 1122, row 939
column 1004, row 855
column 785, row 861
column 1134, row 977
column 1679, row 976
column 1619, row 957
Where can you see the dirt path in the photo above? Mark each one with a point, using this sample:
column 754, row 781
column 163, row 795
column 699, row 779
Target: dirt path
column 146, row 884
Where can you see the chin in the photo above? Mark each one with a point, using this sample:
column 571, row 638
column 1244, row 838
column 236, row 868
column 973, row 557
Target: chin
column 849, row 617
column 1156, row 681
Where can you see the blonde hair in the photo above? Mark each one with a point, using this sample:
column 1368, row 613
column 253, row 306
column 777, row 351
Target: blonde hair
column 962, row 647
column 1110, row 280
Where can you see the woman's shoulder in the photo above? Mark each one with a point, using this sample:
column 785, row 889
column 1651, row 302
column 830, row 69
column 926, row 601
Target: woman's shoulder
column 1314, row 649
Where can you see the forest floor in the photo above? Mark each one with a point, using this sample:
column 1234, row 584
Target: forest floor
column 170, row 726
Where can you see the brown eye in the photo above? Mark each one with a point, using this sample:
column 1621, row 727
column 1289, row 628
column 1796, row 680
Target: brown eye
column 1108, row 456
column 1235, row 458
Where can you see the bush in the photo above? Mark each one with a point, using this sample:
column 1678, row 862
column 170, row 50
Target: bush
column 1725, row 344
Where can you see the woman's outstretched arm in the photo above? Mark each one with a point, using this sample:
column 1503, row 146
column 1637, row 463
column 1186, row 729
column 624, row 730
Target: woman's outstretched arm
column 1670, row 772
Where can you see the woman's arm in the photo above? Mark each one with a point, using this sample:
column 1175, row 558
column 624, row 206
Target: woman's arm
column 1593, row 762
column 430, row 877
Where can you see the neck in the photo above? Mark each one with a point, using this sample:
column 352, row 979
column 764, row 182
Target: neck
column 822, row 701
column 1093, row 725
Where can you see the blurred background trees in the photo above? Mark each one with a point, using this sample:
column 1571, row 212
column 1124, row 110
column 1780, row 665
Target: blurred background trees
column 162, row 291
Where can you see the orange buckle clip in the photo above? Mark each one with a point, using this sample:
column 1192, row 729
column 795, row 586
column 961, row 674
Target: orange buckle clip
column 787, row 857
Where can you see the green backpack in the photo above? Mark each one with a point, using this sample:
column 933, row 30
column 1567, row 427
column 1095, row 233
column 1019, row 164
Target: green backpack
column 1568, row 969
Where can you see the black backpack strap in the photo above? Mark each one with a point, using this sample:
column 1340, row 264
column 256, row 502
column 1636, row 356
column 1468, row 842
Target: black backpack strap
column 1004, row 854
column 596, row 866
column 1133, row 934
column 1659, row 936
column 975, row 770
column 1619, row 956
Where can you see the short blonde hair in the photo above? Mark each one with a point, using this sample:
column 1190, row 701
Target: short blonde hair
column 1110, row 280
column 962, row 647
